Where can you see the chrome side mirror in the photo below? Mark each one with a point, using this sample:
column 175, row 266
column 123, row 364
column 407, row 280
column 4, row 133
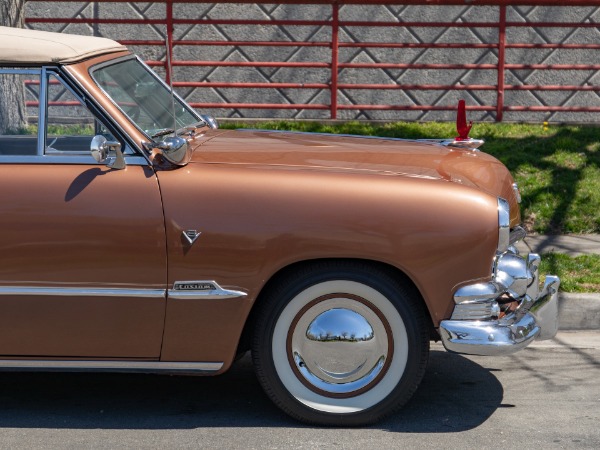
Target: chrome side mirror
column 100, row 148
column 173, row 148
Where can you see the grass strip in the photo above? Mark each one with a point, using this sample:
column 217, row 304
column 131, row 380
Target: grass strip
column 577, row 273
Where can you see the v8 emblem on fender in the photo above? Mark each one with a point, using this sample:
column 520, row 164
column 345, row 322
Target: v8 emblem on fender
column 191, row 235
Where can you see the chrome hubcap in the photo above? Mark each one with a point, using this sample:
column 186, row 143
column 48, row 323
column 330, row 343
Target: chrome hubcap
column 339, row 345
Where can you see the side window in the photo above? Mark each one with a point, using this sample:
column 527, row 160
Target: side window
column 70, row 126
column 19, row 112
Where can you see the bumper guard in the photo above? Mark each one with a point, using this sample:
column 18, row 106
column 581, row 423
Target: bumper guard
column 535, row 318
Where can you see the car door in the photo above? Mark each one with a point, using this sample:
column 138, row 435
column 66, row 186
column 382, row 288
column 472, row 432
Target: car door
column 83, row 260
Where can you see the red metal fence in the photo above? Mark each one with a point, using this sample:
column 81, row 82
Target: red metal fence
column 334, row 66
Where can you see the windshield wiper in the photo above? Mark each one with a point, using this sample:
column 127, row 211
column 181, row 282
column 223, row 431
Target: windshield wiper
column 162, row 132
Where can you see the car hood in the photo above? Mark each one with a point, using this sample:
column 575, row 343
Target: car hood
column 355, row 154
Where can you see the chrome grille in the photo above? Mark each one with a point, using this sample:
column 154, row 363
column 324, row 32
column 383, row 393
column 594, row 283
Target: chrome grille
column 474, row 311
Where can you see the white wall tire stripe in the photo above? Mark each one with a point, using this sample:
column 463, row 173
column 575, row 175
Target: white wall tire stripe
column 364, row 400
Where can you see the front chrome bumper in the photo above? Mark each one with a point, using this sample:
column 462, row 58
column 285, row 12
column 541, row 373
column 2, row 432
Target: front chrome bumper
column 506, row 314
column 509, row 334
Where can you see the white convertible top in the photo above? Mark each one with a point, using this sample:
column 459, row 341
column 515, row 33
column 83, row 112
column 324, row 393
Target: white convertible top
column 19, row 45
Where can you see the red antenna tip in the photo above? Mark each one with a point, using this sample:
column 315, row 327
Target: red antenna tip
column 461, row 122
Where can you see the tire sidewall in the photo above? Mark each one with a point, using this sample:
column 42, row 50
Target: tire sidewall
column 400, row 309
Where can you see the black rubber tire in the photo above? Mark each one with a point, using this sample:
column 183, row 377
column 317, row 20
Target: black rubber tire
column 403, row 297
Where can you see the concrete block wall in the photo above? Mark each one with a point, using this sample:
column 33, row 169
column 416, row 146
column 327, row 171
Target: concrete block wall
column 387, row 13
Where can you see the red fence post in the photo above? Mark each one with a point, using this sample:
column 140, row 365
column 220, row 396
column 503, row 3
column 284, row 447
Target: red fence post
column 501, row 63
column 335, row 23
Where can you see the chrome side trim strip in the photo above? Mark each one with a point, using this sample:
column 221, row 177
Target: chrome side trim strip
column 201, row 290
column 81, row 292
column 190, row 290
column 131, row 160
column 117, row 366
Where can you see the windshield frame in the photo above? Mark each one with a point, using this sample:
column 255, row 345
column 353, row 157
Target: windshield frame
column 153, row 74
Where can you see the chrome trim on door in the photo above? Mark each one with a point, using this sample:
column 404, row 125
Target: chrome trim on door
column 131, row 160
column 189, row 290
column 42, row 113
column 81, row 292
column 111, row 366
column 201, row 290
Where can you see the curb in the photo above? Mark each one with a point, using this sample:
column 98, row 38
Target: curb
column 568, row 244
column 578, row 311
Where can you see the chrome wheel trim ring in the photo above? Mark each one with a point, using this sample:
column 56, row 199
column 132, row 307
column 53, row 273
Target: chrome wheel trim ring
column 362, row 399
column 339, row 345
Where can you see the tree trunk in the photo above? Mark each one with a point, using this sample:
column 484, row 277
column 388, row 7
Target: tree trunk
column 13, row 115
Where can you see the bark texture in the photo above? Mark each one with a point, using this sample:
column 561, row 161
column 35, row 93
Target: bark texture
column 13, row 115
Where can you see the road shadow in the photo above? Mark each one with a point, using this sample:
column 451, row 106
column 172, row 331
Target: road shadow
column 456, row 394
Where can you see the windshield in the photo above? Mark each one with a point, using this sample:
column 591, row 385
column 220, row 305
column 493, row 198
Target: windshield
column 145, row 100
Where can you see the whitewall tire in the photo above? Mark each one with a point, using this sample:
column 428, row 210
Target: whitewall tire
column 340, row 343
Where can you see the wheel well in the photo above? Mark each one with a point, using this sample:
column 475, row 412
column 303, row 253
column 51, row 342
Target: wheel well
column 246, row 337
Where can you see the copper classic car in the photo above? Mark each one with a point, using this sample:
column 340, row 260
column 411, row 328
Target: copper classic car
column 138, row 236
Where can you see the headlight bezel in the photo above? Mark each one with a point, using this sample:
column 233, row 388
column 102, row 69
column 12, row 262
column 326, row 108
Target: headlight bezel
column 503, row 225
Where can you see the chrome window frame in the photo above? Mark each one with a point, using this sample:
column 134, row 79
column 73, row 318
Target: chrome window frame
column 44, row 148
column 41, row 72
column 133, row 155
column 43, row 112
column 20, row 71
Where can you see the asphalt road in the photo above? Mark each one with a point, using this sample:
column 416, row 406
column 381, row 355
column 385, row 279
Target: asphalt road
column 544, row 397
